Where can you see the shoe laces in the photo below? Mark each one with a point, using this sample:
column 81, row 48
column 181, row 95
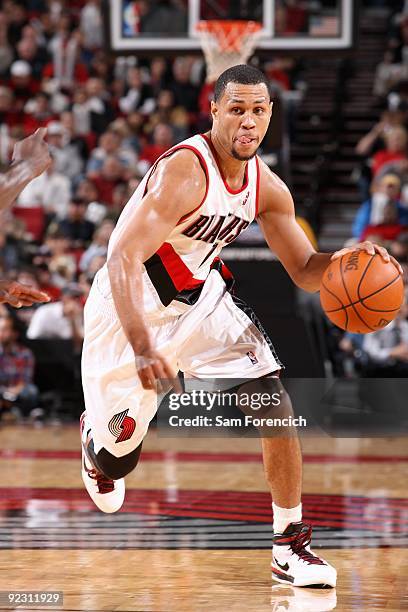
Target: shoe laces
column 300, row 541
column 105, row 484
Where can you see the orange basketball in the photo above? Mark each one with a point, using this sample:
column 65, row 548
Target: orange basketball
column 361, row 293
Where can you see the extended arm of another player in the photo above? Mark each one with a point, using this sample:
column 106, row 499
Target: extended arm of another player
column 176, row 188
column 285, row 237
column 30, row 159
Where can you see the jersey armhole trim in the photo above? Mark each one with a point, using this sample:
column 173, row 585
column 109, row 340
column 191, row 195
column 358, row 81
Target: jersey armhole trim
column 203, row 165
column 258, row 178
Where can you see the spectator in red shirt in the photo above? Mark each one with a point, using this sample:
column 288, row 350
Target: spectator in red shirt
column 8, row 114
column 111, row 174
column 388, row 229
column 162, row 141
column 37, row 113
column 22, row 83
column 395, row 149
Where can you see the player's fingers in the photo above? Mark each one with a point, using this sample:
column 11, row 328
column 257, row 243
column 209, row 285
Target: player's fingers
column 147, row 378
column 383, row 252
column 28, row 292
column 366, row 246
column 13, row 300
column 40, row 133
column 397, row 265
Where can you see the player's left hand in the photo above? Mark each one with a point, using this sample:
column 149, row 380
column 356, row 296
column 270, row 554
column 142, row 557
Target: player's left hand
column 19, row 295
column 371, row 249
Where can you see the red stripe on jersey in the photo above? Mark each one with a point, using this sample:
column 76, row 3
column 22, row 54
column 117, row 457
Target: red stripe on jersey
column 175, row 267
column 194, row 284
column 215, row 156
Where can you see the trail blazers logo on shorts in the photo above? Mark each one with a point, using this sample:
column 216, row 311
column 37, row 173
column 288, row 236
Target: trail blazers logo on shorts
column 122, row 426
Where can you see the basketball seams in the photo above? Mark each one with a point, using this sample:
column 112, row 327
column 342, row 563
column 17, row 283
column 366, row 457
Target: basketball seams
column 363, row 275
column 367, row 297
column 348, row 295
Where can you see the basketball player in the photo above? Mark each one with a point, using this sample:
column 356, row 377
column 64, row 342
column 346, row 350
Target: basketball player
column 30, row 159
column 161, row 304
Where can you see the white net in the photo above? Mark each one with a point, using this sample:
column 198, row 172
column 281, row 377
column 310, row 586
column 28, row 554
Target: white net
column 226, row 44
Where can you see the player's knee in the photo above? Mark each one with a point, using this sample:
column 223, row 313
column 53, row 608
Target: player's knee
column 118, row 467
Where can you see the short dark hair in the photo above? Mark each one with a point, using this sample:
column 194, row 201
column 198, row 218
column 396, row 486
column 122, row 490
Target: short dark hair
column 243, row 74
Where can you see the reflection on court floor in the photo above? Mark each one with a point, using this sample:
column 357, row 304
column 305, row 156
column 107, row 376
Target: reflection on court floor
column 195, row 530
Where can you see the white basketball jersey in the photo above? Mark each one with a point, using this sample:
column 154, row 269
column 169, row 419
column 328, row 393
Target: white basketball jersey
column 184, row 260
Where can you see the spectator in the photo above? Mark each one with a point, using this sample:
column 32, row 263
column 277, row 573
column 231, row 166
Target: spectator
column 163, row 139
column 75, row 226
column 385, row 189
column 9, row 116
column 98, row 105
column 395, row 150
column 51, row 190
column 6, row 52
column 111, row 174
column 16, row 371
column 28, row 51
column 91, row 25
column 62, row 319
column 387, row 348
column 9, row 252
column 388, row 228
column 67, row 158
column 139, row 95
column 22, row 83
column 399, row 248
column 56, row 252
column 185, row 93
column 168, row 113
column 110, row 144
column 37, row 113
column 99, row 245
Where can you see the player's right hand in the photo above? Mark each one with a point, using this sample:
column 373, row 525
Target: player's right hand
column 153, row 369
column 34, row 150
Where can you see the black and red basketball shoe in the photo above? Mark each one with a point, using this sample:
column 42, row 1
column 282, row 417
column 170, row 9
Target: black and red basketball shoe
column 293, row 562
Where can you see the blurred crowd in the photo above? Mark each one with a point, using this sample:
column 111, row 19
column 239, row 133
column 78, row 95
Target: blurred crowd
column 383, row 215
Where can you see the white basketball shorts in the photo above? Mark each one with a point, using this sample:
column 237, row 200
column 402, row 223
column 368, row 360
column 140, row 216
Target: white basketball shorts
column 217, row 337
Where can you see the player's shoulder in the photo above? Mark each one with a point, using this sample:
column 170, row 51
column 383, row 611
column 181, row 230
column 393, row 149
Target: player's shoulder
column 184, row 161
column 273, row 191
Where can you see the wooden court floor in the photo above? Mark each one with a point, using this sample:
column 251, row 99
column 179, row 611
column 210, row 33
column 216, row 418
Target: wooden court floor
column 194, row 533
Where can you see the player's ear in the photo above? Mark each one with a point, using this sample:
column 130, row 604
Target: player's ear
column 214, row 109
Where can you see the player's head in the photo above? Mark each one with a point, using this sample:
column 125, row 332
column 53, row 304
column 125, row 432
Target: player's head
column 241, row 110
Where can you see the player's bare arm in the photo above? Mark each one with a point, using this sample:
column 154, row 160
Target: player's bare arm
column 30, row 158
column 176, row 188
column 288, row 241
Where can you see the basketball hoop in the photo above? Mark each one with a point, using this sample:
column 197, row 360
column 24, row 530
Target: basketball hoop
column 226, row 43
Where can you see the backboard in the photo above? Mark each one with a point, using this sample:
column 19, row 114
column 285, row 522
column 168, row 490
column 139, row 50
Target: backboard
column 160, row 25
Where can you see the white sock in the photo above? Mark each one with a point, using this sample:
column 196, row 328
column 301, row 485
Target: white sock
column 282, row 517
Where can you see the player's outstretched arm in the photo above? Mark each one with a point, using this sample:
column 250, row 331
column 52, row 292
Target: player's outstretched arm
column 289, row 242
column 176, row 188
column 30, row 158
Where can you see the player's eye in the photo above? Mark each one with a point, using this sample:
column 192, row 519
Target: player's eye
column 236, row 110
column 259, row 110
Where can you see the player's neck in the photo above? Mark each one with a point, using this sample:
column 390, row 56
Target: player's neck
column 232, row 169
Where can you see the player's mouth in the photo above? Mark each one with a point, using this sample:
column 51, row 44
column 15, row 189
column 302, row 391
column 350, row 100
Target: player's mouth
column 245, row 140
